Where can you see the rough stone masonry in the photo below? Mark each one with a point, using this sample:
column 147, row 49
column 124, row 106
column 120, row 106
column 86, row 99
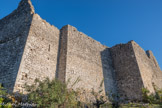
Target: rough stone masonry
column 31, row 48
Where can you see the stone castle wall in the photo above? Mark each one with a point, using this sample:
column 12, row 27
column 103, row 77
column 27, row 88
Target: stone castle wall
column 40, row 54
column 144, row 66
column 135, row 69
column 84, row 61
column 31, row 48
column 127, row 73
column 149, row 68
column 14, row 31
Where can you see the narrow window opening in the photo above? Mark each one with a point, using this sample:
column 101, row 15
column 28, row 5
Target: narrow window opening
column 49, row 48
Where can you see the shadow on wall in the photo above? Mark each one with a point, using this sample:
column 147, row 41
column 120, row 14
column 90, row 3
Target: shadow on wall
column 62, row 55
column 14, row 33
column 108, row 73
column 58, row 58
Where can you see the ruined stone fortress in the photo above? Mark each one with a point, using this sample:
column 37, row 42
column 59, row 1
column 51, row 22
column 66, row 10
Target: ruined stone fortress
column 31, row 48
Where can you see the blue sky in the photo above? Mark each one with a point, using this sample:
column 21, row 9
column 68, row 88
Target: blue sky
column 108, row 21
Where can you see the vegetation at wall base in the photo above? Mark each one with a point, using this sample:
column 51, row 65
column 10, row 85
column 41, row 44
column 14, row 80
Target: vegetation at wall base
column 5, row 102
column 140, row 105
column 55, row 94
column 152, row 98
column 51, row 93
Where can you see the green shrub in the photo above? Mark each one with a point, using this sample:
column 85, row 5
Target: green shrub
column 51, row 94
column 152, row 98
column 4, row 100
column 158, row 95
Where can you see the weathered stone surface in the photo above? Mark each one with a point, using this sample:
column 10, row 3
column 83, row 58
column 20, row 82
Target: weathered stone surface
column 14, row 31
column 40, row 54
column 135, row 69
column 84, row 58
column 31, row 48
column 149, row 68
column 127, row 73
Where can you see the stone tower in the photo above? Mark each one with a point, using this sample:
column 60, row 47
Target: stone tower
column 135, row 69
column 31, row 48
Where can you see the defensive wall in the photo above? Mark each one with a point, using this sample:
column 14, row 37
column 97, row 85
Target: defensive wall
column 31, row 48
